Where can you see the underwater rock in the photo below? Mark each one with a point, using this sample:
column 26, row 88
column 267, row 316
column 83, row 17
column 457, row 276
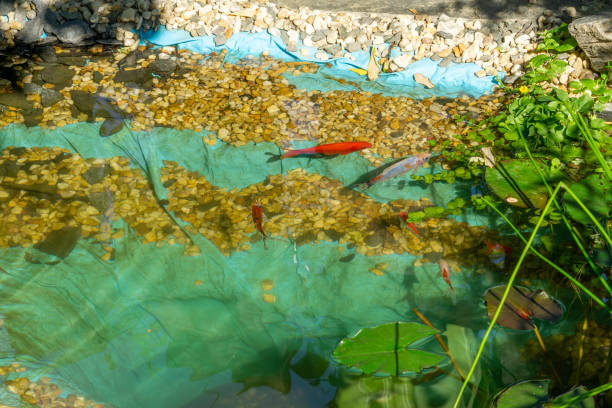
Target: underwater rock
column 60, row 242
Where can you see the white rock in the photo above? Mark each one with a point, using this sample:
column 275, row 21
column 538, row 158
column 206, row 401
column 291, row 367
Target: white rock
column 322, row 55
column 307, row 41
column 293, row 35
column 275, row 32
column 332, row 37
column 470, row 53
column 450, row 25
column 304, row 52
column 522, row 39
column 319, row 23
column 480, row 74
column 403, row 60
column 515, row 68
column 378, row 39
column 309, row 29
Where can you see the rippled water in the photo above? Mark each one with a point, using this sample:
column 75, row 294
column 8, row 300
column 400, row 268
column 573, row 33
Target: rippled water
column 131, row 269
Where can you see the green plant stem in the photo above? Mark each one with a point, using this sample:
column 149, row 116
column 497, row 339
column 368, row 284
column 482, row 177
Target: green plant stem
column 505, row 295
column 586, row 132
column 570, row 402
column 585, row 254
column 548, row 261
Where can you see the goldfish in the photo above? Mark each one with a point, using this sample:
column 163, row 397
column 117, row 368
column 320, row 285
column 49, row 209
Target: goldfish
column 401, row 167
column 328, row 149
column 497, row 253
column 257, row 214
column 411, row 225
column 445, row 270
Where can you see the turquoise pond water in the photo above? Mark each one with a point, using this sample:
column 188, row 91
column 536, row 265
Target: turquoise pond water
column 136, row 331
column 252, row 327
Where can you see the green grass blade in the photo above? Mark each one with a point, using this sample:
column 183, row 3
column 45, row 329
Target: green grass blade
column 505, row 295
column 548, row 261
column 589, row 214
column 584, row 252
column 582, row 397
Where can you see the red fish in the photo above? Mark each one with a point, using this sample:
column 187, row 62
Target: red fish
column 445, row 270
column 257, row 214
column 329, row 149
column 411, row 225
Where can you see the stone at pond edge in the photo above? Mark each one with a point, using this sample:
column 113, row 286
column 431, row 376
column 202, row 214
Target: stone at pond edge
column 58, row 75
column 594, row 36
column 423, row 80
column 606, row 114
column 89, row 104
column 111, row 126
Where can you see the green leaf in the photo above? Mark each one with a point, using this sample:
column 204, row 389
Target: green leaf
column 383, row 349
column 567, row 46
column 462, row 344
column 583, row 104
column 433, row 211
column 595, row 192
column 562, row 399
column 517, row 182
column 525, row 394
column 539, row 60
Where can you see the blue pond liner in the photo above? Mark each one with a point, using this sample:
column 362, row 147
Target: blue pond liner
column 137, row 332
column 450, row 81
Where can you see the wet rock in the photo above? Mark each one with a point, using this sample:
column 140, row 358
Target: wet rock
column 111, row 126
column 162, row 66
column 16, row 100
column 135, row 76
column 32, row 89
column 58, row 75
column 49, row 97
column 47, row 54
column 606, row 114
column 31, row 117
column 97, row 77
column 74, row 32
column 94, row 175
column 95, row 106
column 31, row 32
column 77, row 61
column 594, row 36
column 60, row 242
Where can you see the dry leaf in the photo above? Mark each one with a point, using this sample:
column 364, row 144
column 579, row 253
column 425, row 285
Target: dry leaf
column 489, row 159
column 373, row 69
column 423, row 80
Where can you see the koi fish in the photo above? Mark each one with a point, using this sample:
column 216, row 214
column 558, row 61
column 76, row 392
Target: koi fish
column 401, row 167
column 445, row 270
column 497, row 253
column 328, row 149
column 257, row 214
column 411, row 225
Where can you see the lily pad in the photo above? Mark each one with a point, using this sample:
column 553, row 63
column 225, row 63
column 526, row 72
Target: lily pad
column 518, row 183
column 595, row 192
column 383, row 349
column 525, row 394
column 522, row 305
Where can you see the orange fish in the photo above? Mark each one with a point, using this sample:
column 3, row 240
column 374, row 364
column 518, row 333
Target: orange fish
column 445, row 270
column 411, row 225
column 497, row 253
column 329, row 149
column 523, row 314
column 257, row 214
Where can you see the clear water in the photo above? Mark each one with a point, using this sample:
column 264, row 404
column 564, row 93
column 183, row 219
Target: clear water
column 132, row 273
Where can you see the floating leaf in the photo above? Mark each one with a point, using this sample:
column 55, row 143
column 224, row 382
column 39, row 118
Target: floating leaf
column 518, row 182
column 521, row 306
column 383, row 349
column 595, row 192
column 525, row 394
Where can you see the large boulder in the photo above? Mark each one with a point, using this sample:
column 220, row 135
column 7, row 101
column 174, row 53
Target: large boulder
column 594, row 36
